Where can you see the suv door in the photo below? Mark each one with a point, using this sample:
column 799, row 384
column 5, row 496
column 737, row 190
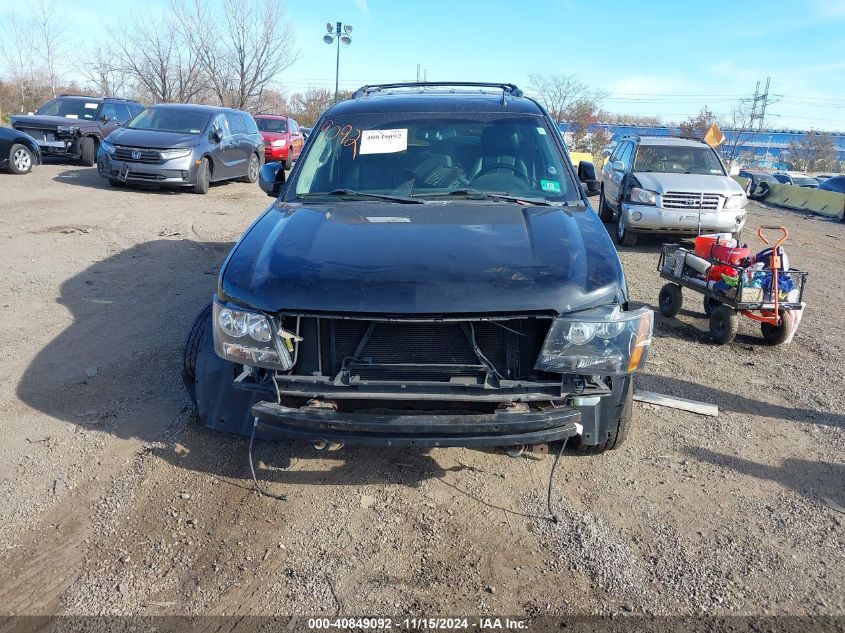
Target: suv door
column 241, row 147
column 108, row 118
column 613, row 182
column 224, row 153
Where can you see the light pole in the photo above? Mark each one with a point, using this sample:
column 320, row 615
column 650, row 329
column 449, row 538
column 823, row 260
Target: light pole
column 341, row 33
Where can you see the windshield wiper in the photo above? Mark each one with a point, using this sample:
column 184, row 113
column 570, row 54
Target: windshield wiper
column 376, row 196
column 506, row 197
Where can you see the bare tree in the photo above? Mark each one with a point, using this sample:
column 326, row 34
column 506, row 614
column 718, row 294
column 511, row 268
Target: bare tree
column 560, row 93
column 104, row 73
column 153, row 55
column 51, row 39
column 17, row 43
column 309, row 105
column 241, row 52
column 739, row 131
column 583, row 117
column 813, row 151
column 272, row 102
column 698, row 125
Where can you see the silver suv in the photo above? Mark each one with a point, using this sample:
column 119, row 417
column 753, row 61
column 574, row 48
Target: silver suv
column 667, row 185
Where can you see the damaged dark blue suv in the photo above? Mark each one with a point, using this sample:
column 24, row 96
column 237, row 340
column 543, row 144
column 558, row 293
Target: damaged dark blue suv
column 431, row 274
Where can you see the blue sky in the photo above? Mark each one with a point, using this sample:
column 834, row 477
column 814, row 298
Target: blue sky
column 663, row 58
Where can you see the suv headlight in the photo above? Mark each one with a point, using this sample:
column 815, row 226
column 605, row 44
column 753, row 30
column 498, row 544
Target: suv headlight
column 735, row 202
column 606, row 341
column 169, row 154
column 248, row 338
column 279, row 142
column 107, row 147
column 642, row 196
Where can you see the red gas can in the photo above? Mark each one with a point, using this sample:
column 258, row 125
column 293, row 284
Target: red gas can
column 730, row 255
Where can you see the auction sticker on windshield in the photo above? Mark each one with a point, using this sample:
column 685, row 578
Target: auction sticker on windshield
column 384, row 141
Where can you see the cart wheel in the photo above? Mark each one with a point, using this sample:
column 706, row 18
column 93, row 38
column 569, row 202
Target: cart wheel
column 777, row 334
column 723, row 324
column 670, row 300
column 710, row 305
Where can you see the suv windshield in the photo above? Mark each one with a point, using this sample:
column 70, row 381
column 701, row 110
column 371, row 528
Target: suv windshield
column 678, row 159
column 176, row 120
column 70, row 108
column 279, row 126
column 803, row 181
column 432, row 154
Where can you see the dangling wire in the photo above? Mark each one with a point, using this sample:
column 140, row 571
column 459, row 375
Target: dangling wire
column 552, row 516
column 252, row 469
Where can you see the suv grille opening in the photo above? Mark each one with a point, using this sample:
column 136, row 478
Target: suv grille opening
column 136, row 155
column 430, row 351
column 691, row 200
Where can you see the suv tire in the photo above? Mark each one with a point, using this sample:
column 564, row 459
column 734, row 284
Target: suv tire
column 620, row 433
column 624, row 236
column 87, row 151
column 190, row 350
column 605, row 210
column 203, row 180
column 21, row 159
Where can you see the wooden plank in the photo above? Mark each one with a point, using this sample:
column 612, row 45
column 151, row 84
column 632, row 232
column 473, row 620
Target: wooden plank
column 662, row 400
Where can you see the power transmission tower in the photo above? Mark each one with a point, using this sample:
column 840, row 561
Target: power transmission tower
column 758, row 105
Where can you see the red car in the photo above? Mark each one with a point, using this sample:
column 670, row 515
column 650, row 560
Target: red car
column 283, row 138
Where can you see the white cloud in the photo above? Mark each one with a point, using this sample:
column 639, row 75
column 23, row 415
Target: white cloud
column 363, row 7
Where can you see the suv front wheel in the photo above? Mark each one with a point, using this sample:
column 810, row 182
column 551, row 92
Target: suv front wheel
column 605, row 210
column 624, row 236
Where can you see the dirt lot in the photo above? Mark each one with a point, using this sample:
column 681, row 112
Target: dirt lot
column 115, row 502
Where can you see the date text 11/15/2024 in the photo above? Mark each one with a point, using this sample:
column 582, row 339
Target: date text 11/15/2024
column 420, row 624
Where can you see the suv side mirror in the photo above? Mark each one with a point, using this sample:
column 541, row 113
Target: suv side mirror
column 271, row 178
column 587, row 175
column 217, row 135
column 617, row 165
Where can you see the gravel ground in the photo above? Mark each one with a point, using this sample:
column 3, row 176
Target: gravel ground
column 115, row 502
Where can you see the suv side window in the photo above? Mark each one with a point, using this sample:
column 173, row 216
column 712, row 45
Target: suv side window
column 294, row 126
column 617, row 151
column 122, row 113
column 108, row 112
column 221, row 124
column 249, row 124
column 626, row 156
column 236, row 123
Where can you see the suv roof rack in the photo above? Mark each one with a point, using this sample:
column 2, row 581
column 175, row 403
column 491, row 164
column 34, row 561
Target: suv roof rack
column 508, row 89
column 639, row 137
column 101, row 98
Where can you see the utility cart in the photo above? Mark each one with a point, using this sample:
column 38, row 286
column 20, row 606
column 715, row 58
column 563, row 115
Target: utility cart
column 771, row 296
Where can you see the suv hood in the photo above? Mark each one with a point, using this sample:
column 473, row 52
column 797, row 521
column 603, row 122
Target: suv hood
column 151, row 138
column 694, row 183
column 273, row 136
column 44, row 122
column 438, row 258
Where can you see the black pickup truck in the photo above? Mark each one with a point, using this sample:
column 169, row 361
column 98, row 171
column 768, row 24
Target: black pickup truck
column 73, row 126
column 431, row 274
